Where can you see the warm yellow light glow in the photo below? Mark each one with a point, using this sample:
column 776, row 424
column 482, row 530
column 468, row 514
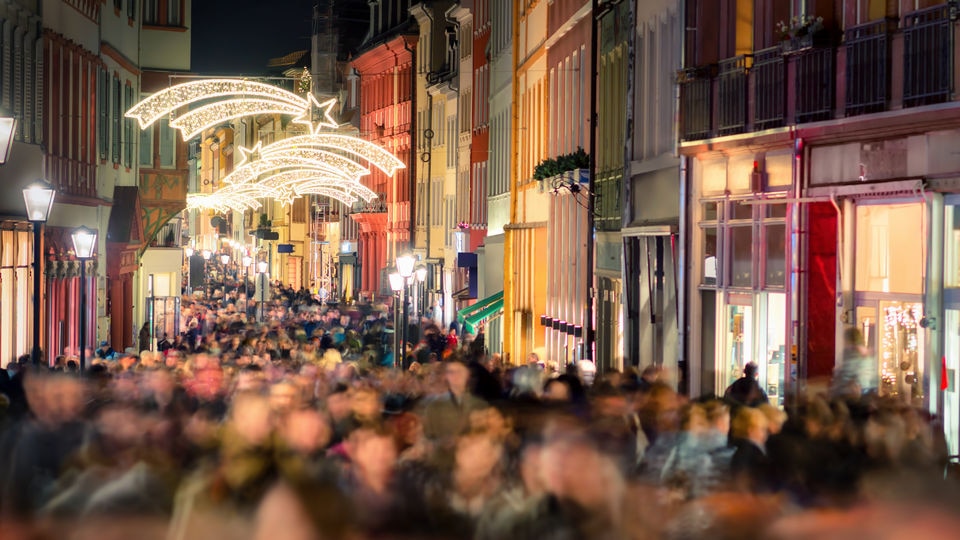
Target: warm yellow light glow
column 331, row 164
column 345, row 144
column 316, row 115
column 358, row 190
column 197, row 120
column 170, row 99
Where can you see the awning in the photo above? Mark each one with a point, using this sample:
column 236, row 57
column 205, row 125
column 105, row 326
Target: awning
column 489, row 308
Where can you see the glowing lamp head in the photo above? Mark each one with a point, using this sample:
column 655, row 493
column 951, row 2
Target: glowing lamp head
column 84, row 242
column 207, row 254
column 39, row 200
column 405, row 265
column 188, row 251
column 246, row 260
column 224, row 259
column 262, row 266
column 421, row 274
column 396, row 282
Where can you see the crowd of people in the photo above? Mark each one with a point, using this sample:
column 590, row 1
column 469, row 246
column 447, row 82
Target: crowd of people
column 303, row 426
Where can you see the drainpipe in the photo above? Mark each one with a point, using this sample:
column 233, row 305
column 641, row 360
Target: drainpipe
column 588, row 323
column 412, row 167
column 508, row 233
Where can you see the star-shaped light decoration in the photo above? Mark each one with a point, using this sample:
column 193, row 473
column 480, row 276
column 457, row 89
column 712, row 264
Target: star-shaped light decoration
column 285, row 195
column 249, row 155
column 317, row 116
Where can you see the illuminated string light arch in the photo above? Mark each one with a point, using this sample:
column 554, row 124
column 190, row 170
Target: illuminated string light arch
column 232, row 98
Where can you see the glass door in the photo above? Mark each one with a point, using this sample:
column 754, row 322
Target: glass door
column 951, row 399
column 894, row 338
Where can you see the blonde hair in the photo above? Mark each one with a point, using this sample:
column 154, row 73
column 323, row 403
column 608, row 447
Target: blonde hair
column 747, row 419
column 775, row 416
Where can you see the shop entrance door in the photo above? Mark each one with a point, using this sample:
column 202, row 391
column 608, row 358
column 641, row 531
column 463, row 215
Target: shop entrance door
column 892, row 334
column 754, row 331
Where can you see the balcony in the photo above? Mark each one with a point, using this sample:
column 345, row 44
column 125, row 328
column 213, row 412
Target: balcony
column 868, row 76
column 769, row 76
column 376, row 206
column 732, row 95
column 696, row 104
column 879, row 66
column 926, row 56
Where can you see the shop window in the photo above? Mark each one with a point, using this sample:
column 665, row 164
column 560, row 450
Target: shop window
column 710, row 256
column 951, row 255
column 741, row 256
column 890, row 251
column 900, row 351
column 776, row 255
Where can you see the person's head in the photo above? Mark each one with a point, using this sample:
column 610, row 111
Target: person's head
column 853, row 337
column 372, row 450
column 775, row 418
column 457, row 376
column 305, row 431
column 556, row 390
column 693, row 419
column 718, row 416
column 750, row 370
column 104, row 345
column 750, row 424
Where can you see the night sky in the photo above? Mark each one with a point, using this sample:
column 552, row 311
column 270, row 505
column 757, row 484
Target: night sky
column 238, row 37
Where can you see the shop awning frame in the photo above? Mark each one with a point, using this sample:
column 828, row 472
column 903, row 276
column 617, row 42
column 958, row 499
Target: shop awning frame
column 473, row 316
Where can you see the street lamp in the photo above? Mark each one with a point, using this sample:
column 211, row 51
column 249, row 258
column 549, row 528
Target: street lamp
column 38, row 198
column 224, row 260
column 8, row 126
column 206, row 273
column 246, row 260
column 206, row 254
column 397, row 284
column 84, row 243
column 189, row 252
column 405, row 265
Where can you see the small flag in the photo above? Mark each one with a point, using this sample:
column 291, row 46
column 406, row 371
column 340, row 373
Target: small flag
column 944, row 379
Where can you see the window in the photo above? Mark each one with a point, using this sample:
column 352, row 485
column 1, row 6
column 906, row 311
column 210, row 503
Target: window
column 131, row 9
column 744, row 246
column 173, row 13
column 151, row 12
column 167, row 135
column 128, row 128
column 146, row 147
column 115, row 120
column 118, row 5
column 103, row 118
column 889, row 257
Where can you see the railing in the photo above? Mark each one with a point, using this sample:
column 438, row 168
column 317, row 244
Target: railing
column 768, row 80
column 868, row 74
column 814, row 85
column 926, row 56
column 376, row 206
column 72, row 177
column 732, row 95
column 696, row 100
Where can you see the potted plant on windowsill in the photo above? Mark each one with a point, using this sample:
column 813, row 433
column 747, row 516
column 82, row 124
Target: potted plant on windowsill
column 799, row 33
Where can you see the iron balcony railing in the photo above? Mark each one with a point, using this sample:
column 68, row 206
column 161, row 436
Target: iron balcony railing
column 376, row 206
column 926, row 56
column 868, row 75
column 732, row 95
column 769, row 99
column 696, row 99
column 814, row 85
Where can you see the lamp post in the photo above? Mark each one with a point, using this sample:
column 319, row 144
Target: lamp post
column 84, row 242
column 224, row 260
column 262, row 266
column 405, row 267
column 38, row 198
column 246, row 261
column 8, row 127
column 188, row 251
column 206, row 273
column 397, row 284
column 421, row 273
